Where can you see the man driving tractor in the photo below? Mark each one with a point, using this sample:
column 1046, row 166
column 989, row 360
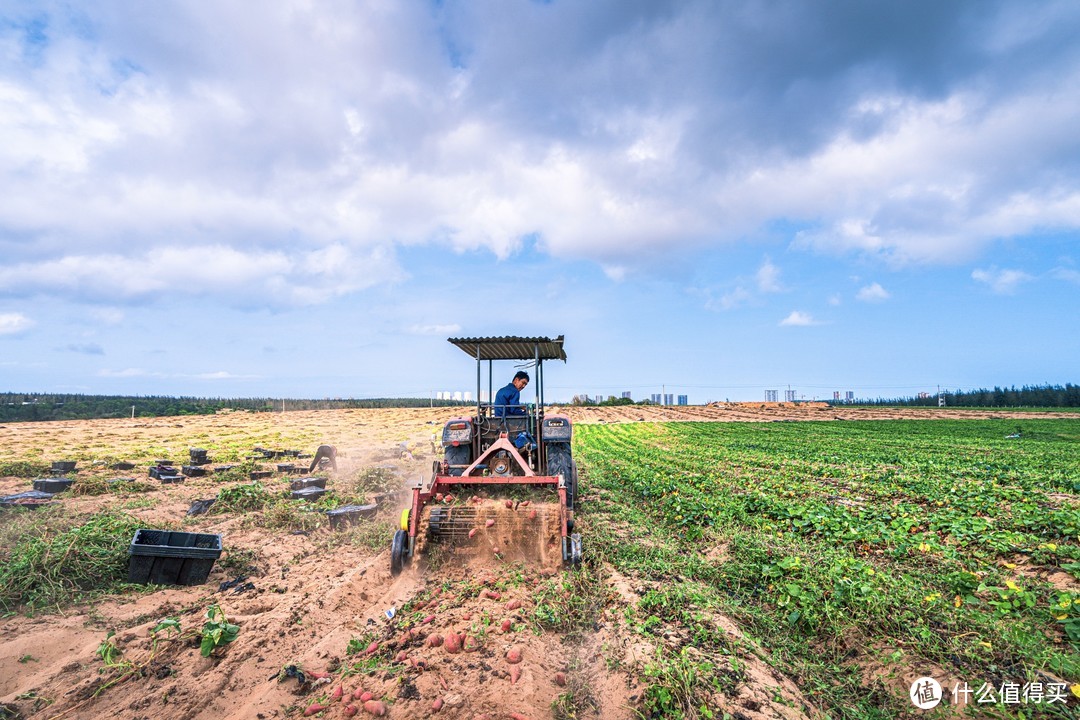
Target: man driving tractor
column 508, row 399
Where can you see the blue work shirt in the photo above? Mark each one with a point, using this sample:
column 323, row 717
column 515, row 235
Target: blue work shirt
column 508, row 401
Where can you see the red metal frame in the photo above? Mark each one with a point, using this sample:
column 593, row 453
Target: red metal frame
column 445, row 483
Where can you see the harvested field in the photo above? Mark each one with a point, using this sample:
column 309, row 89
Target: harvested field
column 605, row 642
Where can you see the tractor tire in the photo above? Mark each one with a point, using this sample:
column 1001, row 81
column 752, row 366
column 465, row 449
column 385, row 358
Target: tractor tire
column 460, row 455
column 399, row 552
column 560, row 462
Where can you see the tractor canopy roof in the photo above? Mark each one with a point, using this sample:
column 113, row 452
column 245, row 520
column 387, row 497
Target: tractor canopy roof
column 512, row 348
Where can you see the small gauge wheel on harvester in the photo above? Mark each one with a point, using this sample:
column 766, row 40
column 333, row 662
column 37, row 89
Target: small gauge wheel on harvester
column 399, row 552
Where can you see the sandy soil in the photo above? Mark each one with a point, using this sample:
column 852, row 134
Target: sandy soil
column 312, row 593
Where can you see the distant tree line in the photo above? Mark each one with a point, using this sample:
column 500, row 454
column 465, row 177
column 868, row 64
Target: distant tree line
column 1067, row 395
column 16, row 407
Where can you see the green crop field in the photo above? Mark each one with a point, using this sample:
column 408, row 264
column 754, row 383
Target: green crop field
column 852, row 555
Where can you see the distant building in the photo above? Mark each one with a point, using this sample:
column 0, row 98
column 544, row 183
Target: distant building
column 655, row 398
column 467, row 396
column 849, row 396
column 626, row 395
column 684, row 400
column 924, row 395
column 669, row 398
column 457, row 395
column 789, row 396
column 836, row 395
column 770, row 396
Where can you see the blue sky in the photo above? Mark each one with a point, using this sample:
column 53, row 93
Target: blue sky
column 306, row 199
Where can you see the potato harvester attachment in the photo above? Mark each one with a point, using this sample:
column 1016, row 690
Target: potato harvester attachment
column 507, row 482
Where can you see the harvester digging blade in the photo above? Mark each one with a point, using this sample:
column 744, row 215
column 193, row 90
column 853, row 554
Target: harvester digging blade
column 530, row 534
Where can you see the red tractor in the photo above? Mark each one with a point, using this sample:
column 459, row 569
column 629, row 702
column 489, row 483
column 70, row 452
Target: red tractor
column 498, row 454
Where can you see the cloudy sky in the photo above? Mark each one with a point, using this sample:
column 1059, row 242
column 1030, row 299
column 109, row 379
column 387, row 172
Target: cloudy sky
column 305, row 199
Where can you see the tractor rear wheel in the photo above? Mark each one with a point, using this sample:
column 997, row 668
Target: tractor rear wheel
column 560, row 462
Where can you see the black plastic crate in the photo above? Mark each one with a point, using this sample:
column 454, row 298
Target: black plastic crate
column 156, row 471
column 169, row 557
column 53, row 485
column 261, row 474
column 310, row 494
column 171, row 479
column 29, row 500
column 193, row 470
column 301, row 483
column 198, row 456
column 59, row 467
column 123, row 465
column 350, row 515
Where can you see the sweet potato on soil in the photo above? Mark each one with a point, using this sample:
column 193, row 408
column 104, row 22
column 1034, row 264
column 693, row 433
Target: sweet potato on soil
column 375, row 707
column 452, row 643
column 506, row 624
column 436, row 705
column 314, row 708
column 470, row 643
column 513, row 605
column 351, row 710
column 489, row 523
column 472, row 533
column 401, row 656
column 532, row 514
column 560, row 679
column 515, row 673
column 434, row 640
column 337, row 694
column 510, row 504
column 513, row 655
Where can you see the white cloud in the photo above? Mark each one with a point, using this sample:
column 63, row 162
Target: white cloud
column 1066, row 274
column 128, row 373
column 768, row 278
column 735, row 298
column 434, row 329
column 84, row 348
column 798, row 318
column 150, row 139
column 1002, row 281
column 872, row 293
column 835, row 300
column 220, row 375
column 240, row 276
column 14, row 323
